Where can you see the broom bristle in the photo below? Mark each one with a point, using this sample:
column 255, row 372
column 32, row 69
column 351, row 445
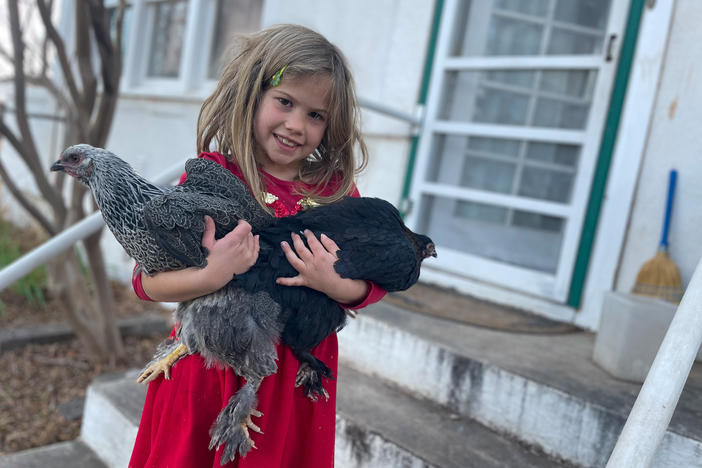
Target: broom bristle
column 659, row 277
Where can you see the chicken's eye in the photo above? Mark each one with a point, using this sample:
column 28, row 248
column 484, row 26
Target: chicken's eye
column 73, row 158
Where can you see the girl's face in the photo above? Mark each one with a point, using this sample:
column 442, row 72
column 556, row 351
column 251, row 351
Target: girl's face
column 289, row 124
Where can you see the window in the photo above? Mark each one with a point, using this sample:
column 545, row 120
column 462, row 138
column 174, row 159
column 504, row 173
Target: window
column 232, row 17
column 126, row 24
column 167, row 34
column 176, row 47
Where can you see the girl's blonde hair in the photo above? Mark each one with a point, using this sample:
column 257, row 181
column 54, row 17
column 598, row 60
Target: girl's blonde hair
column 226, row 118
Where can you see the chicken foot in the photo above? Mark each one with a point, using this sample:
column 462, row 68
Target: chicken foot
column 310, row 375
column 231, row 428
column 163, row 365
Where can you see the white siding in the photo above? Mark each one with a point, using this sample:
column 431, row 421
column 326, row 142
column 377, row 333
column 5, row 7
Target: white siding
column 674, row 141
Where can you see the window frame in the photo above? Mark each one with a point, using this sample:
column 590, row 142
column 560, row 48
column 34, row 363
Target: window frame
column 192, row 81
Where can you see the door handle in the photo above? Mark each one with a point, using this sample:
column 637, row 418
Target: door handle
column 610, row 47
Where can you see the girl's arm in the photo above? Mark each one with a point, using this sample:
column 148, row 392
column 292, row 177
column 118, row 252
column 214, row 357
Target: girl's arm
column 233, row 254
column 315, row 266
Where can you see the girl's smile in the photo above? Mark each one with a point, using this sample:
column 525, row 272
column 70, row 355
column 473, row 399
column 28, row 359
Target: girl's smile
column 290, row 123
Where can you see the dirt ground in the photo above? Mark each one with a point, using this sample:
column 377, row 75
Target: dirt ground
column 42, row 387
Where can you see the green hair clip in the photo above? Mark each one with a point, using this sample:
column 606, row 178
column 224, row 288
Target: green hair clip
column 275, row 81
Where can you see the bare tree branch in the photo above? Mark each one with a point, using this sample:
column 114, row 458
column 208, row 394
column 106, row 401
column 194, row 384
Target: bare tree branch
column 26, row 204
column 5, row 54
column 55, row 38
column 28, row 145
column 45, row 56
column 43, row 81
column 9, row 134
column 120, row 26
column 85, row 63
column 111, row 60
column 19, row 196
column 29, row 152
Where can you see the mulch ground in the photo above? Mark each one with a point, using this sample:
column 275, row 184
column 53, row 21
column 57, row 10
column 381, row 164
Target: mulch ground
column 42, row 387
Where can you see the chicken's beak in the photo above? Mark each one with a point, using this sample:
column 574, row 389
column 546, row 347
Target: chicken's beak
column 57, row 166
column 430, row 251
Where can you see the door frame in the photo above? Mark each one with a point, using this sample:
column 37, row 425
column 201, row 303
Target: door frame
column 554, row 287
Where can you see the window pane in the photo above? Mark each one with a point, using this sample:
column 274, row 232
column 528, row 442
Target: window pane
column 485, row 174
column 126, row 24
column 508, row 36
column 548, row 98
column 529, row 27
column 587, row 13
column 529, row 7
column 546, row 184
column 167, row 38
column 515, row 237
column 564, row 42
column 554, row 113
column 233, row 17
column 545, row 171
column 563, row 155
column 569, row 83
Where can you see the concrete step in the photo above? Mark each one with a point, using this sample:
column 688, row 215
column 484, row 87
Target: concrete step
column 143, row 325
column 113, row 405
column 377, row 426
column 544, row 390
column 74, row 454
column 380, row 426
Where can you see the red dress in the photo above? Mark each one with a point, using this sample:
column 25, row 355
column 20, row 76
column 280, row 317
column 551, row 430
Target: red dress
column 178, row 413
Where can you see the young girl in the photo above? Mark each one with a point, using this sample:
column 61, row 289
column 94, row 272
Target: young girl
column 284, row 119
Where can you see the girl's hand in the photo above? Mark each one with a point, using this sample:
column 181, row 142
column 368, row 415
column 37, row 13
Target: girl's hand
column 315, row 266
column 231, row 255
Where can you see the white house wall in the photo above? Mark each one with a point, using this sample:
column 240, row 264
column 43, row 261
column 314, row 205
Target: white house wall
column 674, row 142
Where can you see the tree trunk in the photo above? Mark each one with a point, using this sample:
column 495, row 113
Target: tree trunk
column 68, row 282
column 104, row 297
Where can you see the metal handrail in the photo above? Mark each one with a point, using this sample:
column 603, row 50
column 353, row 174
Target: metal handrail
column 67, row 238
column 390, row 112
column 659, row 395
column 94, row 222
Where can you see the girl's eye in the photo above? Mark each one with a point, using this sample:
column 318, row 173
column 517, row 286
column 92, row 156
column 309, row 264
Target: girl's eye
column 316, row 116
column 285, row 102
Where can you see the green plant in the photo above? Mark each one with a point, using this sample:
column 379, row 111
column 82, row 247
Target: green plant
column 32, row 286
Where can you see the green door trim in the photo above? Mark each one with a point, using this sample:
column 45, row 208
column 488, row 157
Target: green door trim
column 424, row 89
column 609, row 137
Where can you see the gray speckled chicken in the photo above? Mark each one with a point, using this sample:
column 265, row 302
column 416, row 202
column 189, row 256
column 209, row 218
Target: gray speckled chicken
column 231, row 326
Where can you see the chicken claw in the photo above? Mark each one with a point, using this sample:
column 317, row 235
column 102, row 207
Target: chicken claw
column 310, row 379
column 162, row 365
column 248, row 424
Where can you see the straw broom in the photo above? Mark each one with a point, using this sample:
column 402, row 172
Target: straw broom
column 660, row 277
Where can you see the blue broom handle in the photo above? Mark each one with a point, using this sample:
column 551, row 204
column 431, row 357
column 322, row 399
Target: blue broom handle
column 669, row 207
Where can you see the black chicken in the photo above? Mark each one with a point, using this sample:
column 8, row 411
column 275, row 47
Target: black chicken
column 161, row 228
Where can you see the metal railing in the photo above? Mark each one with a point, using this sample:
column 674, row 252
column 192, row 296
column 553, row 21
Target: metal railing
column 659, row 395
column 94, row 222
column 415, row 120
